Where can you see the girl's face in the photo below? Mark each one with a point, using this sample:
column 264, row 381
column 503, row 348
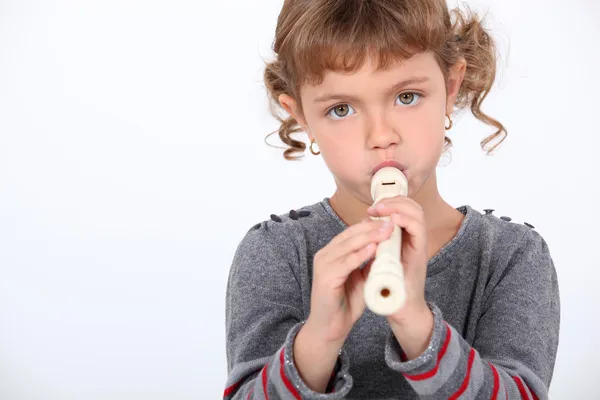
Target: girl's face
column 361, row 119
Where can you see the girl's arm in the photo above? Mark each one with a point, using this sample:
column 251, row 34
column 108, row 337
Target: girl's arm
column 263, row 318
column 516, row 340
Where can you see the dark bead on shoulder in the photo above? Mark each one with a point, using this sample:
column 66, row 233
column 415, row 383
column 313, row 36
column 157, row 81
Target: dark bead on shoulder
column 488, row 211
column 529, row 225
column 275, row 218
column 304, row 213
column 506, row 219
column 294, row 215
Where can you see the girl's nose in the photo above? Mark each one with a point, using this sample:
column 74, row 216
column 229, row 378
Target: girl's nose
column 381, row 134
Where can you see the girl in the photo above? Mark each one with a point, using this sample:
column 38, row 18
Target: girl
column 374, row 83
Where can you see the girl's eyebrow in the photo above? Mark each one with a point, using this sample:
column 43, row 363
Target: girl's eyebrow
column 396, row 87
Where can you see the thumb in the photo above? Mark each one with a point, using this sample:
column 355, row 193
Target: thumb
column 367, row 268
column 355, row 291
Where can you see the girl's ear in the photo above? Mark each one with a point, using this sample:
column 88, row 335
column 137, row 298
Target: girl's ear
column 456, row 74
column 290, row 105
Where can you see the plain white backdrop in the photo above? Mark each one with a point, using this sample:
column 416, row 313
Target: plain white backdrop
column 132, row 162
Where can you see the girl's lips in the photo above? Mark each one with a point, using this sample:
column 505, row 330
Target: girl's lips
column 388, row 163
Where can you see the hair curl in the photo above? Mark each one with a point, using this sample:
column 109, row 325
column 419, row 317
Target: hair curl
column 313, row 36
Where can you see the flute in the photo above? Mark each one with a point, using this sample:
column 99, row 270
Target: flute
column 384, row 289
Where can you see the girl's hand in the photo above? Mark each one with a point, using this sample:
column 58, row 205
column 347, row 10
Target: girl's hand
column 337, row 298
column 409, row 215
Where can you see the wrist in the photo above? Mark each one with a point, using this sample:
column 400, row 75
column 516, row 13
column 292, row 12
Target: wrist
column 320, row 340
column 409, row 316
column 314, row 358
column 413, row 331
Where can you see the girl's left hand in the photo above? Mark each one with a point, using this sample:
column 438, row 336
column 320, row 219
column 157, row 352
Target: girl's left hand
column 409, row 215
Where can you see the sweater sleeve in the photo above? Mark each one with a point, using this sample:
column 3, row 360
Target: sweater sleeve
column 515, row 344
column 263, row 316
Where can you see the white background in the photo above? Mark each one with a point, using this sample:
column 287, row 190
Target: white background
column 132, row 162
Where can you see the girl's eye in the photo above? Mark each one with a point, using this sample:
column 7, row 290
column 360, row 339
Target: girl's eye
column 340, row 111
column 408, row 98
column 343, row 110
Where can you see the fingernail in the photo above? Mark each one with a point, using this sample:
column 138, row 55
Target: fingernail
column 386, row 225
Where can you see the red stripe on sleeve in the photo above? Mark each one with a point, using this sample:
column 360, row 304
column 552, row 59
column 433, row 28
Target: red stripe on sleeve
column 264, row 380
column 250, row 393
column 330, row 378
column 521, row 387
column 284, row 378
column 429, row 374
column 403, row 357
column 231, row 389
column 496, row 382
column 465, row 383
column 532, row 393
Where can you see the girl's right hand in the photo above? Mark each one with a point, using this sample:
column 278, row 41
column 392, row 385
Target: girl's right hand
column 337, row 295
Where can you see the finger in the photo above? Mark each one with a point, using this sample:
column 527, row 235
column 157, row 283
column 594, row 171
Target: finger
column 413, row 227
column 366, row 225
column 333, row 251
column 402, row 198
column 353, row 260
column 354, row 292
column 353, row 282
column 366, row 269
column 362, row 239
column 399, row 204
column 336, row 249
column 338, row 271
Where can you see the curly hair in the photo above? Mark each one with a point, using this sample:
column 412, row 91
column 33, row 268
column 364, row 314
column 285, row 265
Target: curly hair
column 313, row 36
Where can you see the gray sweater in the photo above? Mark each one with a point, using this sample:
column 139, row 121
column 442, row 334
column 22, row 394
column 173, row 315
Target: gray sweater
column 493, row 290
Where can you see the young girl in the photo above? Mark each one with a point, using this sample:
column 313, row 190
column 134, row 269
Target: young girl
column 374, row 83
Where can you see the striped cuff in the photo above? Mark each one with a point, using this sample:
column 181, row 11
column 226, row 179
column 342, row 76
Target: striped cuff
column 339, row 385
column 426, row 362
column 276, row 376
column 435, row 370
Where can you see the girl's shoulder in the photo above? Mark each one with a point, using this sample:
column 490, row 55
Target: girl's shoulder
column 315, row 219
column 274, row 249
column 510, row 244
column 283, row 234
column 495, row 227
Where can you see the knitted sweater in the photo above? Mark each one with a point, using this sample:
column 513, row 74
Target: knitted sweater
column 493, row 291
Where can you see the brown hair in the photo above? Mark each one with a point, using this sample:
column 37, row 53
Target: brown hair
column 317, row 35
